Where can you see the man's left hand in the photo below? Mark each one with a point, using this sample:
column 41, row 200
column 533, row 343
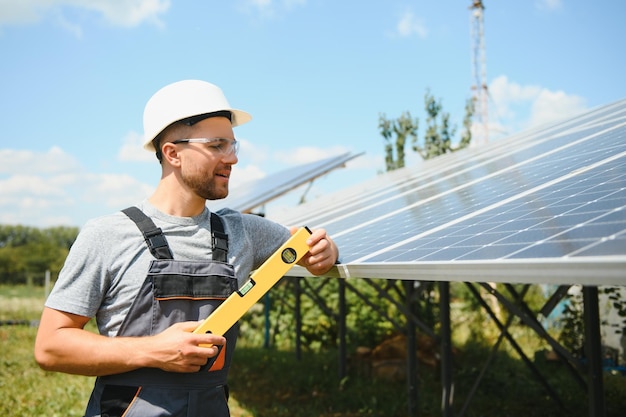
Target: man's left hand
column 323, row 252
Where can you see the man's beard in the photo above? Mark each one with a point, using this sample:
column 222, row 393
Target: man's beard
column 204, row 185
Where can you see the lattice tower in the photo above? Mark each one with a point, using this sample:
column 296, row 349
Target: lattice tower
column 479, row 72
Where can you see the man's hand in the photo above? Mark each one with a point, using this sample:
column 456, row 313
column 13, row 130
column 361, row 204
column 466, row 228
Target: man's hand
column 176, row 349
column 323, row 252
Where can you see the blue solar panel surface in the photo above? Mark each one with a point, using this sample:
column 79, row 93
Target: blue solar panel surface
column 555, row 192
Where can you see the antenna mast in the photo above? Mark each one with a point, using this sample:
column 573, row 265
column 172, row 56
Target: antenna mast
column 479, row 70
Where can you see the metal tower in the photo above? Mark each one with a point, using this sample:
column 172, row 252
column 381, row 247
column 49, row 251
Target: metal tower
column 479, row 71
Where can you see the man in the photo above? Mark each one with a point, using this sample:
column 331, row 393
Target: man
column 148, row 274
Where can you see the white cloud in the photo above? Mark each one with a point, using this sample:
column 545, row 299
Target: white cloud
column 368, row 162
column 269, row 8
column 114, row 190
column 549, row 4
column 51, row 188
column 243, row 174
column 54, row 161
column 410, row 25
column 132, row 149
column 70, row 27
column 20, row 12
column 28, row 199
column 126, row 13
column 514, row 107
column 550, row 106
column 307, row 154
column 28, row 186
column 253, row 151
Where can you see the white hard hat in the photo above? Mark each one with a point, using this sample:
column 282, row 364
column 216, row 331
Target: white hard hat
column 181, row 100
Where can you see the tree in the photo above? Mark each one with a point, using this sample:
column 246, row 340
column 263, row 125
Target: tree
column 437, row 138
column 405, row 126
column 27, row 252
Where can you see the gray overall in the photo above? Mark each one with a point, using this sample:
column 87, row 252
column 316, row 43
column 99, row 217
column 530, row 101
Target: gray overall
column 173, row 291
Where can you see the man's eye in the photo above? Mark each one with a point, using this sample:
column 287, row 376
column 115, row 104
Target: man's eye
column 218, row 145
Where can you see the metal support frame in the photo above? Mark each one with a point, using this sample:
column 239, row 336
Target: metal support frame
column 486, row 365
column 504, row 333
column 517, row 308
column 528, row 318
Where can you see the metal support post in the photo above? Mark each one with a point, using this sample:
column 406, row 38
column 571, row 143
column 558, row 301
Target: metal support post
column 298, row 318
column 446, row 350
column 341, row 321
column 411, row 346
column 593, row 352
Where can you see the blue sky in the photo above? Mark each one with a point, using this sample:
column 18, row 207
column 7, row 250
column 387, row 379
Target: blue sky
column 315, row 75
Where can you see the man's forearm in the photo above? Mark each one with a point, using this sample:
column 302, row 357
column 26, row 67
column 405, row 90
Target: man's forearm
column 63, row 345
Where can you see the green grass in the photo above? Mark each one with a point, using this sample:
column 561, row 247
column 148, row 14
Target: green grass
column 267, row 382
column 21, row 302
column 275, row 383
column 26, row 390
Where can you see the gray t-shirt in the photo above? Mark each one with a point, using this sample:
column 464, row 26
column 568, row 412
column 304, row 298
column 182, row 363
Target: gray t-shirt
column 109, row 260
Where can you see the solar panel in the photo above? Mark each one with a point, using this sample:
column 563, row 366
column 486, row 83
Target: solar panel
column 553, row 198
column 255, row 193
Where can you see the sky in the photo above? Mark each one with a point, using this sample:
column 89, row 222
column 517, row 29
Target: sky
column 315, row 75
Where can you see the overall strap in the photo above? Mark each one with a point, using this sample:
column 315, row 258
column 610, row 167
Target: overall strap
column 219, row 239
column 155, row 239
column 153, row 235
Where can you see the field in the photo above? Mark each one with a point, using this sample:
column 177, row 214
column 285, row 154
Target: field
column 267, row 382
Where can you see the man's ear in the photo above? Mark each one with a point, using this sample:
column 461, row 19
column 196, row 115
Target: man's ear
column 170, row 154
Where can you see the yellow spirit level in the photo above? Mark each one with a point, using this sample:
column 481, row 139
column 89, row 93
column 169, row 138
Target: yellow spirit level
column 260, row 282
